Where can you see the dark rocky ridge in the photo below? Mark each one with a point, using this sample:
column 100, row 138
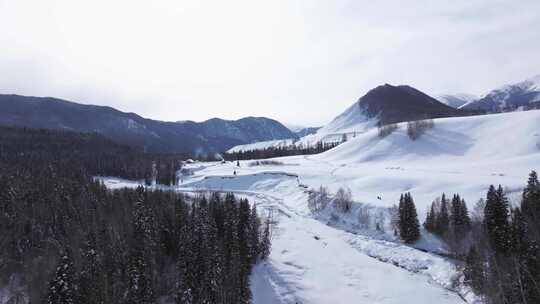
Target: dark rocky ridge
column 393, row 104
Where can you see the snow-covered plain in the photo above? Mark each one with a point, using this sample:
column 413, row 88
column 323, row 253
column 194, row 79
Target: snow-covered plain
column 317, row 260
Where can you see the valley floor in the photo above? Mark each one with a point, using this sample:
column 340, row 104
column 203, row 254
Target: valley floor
column 317, row 260
column 312, row 262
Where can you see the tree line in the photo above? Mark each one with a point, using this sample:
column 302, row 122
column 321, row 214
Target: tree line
column 90, row 152
column 272, row 152
column 66, row 238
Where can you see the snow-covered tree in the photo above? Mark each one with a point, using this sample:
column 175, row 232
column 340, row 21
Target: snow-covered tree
column 254, row 235
column 265, row 242
column 474, row 270
column 140, row 286
column 530, row 203
column 63, row 288
column 91, row 275
column 496, row 219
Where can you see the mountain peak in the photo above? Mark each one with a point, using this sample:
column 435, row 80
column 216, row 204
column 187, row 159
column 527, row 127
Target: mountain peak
column 392, row 104
column 387, row 104
column 509, row 97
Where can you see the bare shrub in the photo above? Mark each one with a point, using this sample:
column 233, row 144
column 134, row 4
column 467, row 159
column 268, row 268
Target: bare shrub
column 318, row 199
column 364, row 218
column 343, row 200
column 394, row 218
column 379, row 220
column 477, row 213
column 416, row 128
column 386, row 130
column 265, row 163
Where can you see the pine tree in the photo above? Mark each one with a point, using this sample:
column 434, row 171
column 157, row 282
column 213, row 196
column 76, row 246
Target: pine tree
column 7, row 197
column 184, row 294
column 230, row 247
column 459, row 217
column 527, row 265
column 414, row 227
column 214, row 257
column 265, row 241
column 526, row 229
column 181, row 216
column 91, row 275
column 443, row 218
column 496, row 219
column 465, row 215
column 63, row 288
column 244, row 251
column 140, row 287
column 530, row 203
column 254, row 235
column 430, row 223
column 408, row 219
column 207, row 263
column 474, row 270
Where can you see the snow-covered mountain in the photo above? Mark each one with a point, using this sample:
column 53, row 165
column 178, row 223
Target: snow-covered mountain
column 354, row 118
column 387, row 104
column 508, row 97
column 456, row 100
column 384, row 104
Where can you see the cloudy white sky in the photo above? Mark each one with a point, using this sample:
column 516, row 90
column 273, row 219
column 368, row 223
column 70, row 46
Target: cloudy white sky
column 300, row 62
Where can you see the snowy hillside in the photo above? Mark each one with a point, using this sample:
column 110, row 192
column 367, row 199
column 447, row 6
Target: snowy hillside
column 509, row 96
column 456, row 100
column 459, row 155
column 352, row 119
column 462, row 155
column 262, row 145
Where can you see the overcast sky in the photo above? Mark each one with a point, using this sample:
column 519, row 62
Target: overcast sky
column 300, row 62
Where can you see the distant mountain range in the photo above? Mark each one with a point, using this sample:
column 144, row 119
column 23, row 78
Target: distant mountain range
column 508, row 97
column 382, row 105
column 214, row 135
